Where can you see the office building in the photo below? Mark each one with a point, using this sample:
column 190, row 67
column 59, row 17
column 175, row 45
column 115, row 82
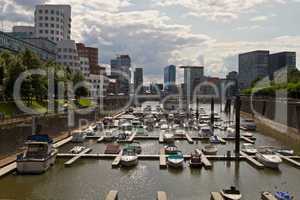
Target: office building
column 193, row 76
column 53, row 22
column 24, row 31
column 120, row 70
column 169, row 78
column 67, row 54
column 138, row 79
column 281, row 60
column 252, row 65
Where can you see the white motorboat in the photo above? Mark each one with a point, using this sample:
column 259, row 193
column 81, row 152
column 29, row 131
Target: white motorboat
column 38, row 156
column 231, row 194
column 164, row 126
column 77, row 149
column 210, row 149
column 247, row 134
column 109, row 136
column 180, row 133
column 171, row 149
column 90, row 131
column 78, row 136
column 175, row 160
column 215, row 139
column 168, row 137
column 249, row 148
column 129, row 158
column 206, row 132
column 269, row 158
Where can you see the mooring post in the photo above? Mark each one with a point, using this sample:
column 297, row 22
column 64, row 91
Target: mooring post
column 197, row 109
column 237, row 126
column 212, row 113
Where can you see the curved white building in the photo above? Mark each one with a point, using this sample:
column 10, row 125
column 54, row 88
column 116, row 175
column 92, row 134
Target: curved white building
column 53, row 22
column 67, row 54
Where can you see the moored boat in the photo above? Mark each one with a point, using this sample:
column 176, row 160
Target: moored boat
column 283, row 196
column 210, row 149
column 248, row 124
column 206, row 132
column 38, row 156
column 175, row 160
column 171, row 149
column 78, row 136
column 112, row 149
column 215, row 139
column 196, row 160
column 249, row 148
column 129, row 158
column 231, row 194
column 168, row 137
column 269, row 158
column 77, row 149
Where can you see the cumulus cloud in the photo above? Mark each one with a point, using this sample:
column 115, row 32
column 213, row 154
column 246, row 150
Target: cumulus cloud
column 259, row 18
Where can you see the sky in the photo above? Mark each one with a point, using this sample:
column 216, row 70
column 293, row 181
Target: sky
column 156, row 33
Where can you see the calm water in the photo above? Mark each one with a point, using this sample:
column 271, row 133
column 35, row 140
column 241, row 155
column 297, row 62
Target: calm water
column 92, row 178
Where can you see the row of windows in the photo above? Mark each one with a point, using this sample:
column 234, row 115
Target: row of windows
column 46, row 18
column 46, row 11
column 70, row 50
column 50, row 25
column 41, row 31
column 67, row 57
column 71, row 64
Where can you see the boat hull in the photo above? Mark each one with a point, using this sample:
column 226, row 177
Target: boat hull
column 175, row 164
column 35, row 166
column 129, row 163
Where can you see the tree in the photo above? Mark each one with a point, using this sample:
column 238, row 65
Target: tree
column 78, row 78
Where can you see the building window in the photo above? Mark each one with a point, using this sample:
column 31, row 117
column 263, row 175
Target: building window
column 57, row 19
column 52, row 32
column 41, row 24
column 52, row 12
column 46, row 31
column 57, row 32
column 65, row 50
column 57, row 26
column 52, row 25
column 65, row 57
column 59, row 49
column 46, row 11
column 52, row 38
column 40, row 11
column 46, row 18
column 52, row 18
column 41, row 18
column 57, row 12
column 41, row 31
column 46, row 24
column 57, row 39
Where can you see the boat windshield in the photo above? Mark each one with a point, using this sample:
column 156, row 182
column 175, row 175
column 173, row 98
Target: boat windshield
column 36, row 151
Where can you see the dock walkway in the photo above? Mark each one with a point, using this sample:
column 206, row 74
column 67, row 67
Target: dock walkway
column 189, row 139
column 162, row 159
column 207, row 164
column 252, row 161
column 161, row 195
column 72, row 160
column 112, row 195
column 8, row 168
column 293, row 162
column 117, row 160
column 267, row 196
column 216, row 196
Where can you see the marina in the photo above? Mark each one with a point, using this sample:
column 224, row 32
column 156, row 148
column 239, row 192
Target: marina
column 106, row 166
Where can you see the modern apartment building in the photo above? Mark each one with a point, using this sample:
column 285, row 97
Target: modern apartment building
column 120, row 70
column 67, row 54
column 169, row 77
column 138, row 79
column 53, row 22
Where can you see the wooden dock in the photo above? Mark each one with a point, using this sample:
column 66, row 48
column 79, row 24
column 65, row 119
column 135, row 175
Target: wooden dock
column 62, row 142
column 207, row 164
column 112, row 195
column 162, row 159
column 289, row 160
column 222, row 140
column 216, row 196
column 248, row 140
column 189, row 139
column 161, row 138
column 267, row 196
column 117, row 160
column 252, row 161
column 8, row 168
column 132, row 137
column 100, row 139
column 72, row 160
column 161, row 195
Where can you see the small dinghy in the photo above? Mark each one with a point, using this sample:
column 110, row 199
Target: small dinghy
column 269, row 158
column 210, row 149
column 215, row 139
column 247, row 134
column 129, row 158
column 231, row 194
column 168, row 137
column 249, row 148
column 283, row 196
column 77, row 149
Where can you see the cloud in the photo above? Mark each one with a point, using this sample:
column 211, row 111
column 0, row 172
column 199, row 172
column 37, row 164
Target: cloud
column 216, row 10
column 259, row 19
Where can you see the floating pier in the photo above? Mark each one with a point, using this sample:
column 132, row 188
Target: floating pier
column 207, row 164
column 267, row 196
column 189, row 139
column 132, row 137
column 100, row 139
column 293, row 162
column 161, row 138
column 161, row 195
column 8, row 168
column 252, row 161
column 62, row 142
column 162, row 159
column 248, row 140
column 222, row 140
column 216, row 196
column 117, row 160
column 112, row 195
column 72, row 160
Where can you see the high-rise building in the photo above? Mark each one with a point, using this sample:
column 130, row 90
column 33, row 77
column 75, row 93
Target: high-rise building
column 120, row 70
column 252, row 65
column 85, row 66
column 281, row 60
column 53, row 22
column 138, row 79
column 89, row 52
column 169, row 77
column 193, row 75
